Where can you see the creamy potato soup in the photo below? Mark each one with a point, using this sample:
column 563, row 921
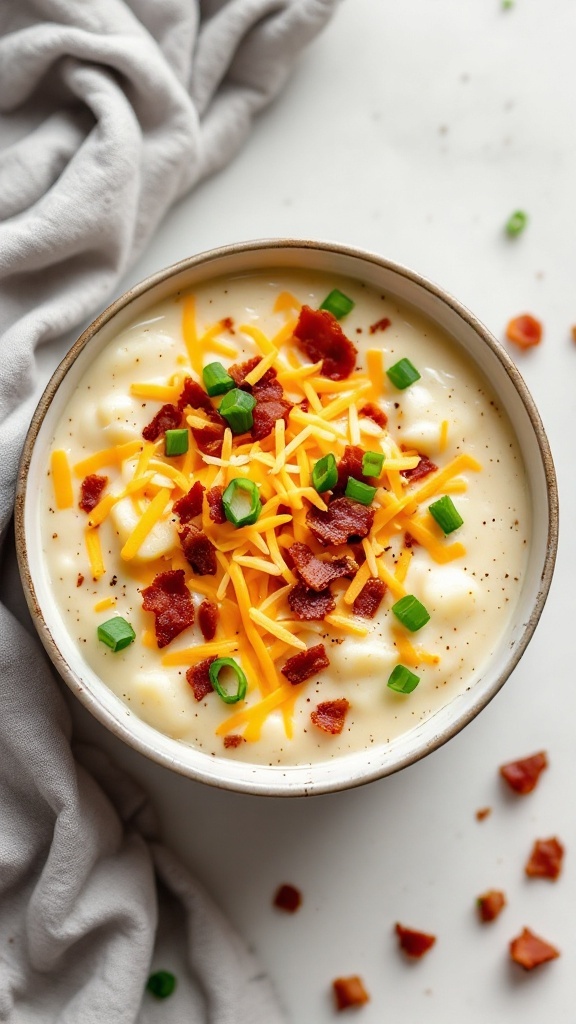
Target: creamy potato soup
column 284, row 518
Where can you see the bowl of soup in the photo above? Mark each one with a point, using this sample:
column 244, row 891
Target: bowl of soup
column 286, row 517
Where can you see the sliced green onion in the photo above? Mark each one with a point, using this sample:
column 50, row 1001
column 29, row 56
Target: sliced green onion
column 236, row 408
column 358, row 491
column 176, row 442
column 241, row 501
column 372, row 463
column 161, row 984
column 214, row 672
column 446, row 514
column 516, row 223
column 338, row 304
column 403, row 374
column 402, row 680
column 116, row 633
column 325, row 474
column 411, row 613
column 217, row 380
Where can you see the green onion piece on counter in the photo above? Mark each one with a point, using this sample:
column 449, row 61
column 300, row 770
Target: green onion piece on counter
column 325, row 474
column 241, row 501
column 402, row 680
column 176, row 442
column 161, row 984
column 116, row 633
column 372, row 463
column 516, row 223
column 446, row 514
column 236, row 408
column 411, row 613
column 358, row 491
column 403, row 374
column 217, row 380
column 214, row 672
column 338, row 304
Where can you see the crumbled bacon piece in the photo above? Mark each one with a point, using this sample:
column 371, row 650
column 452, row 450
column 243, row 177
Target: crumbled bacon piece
column 349, row 465
column 310, row 604
column 288, row 898
column 482, row 813
column 409, row 540
column 528, row 950
column 208, row 438
column 414, row 944
column 349, row 992
column 233, row 740
column 305, row 664
column 545, row 860
column 491, row 904
column 215, row 506
column 207, row 619
column 320, row 336
column 343, row 520
column 199, row 551
column 380, row 325
column 271, row 402
column 522, row 775
column 375, row 413
column 198, row 676
column 91, row 491
column 367, row 603
column 189, row 505
column 424, row 468
column 227, row 324
column 330, row 715
column 79, row 580
column 239, row 371
column 316, row 574
column 524, row 331
column 169, row 599
column 193, row 394
column 168, row 418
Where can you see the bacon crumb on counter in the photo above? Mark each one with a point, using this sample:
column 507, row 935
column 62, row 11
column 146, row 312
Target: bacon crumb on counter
column 316, row 574
column 215, row 506
column 233, row 740
column 368, row 601
column 380, row 325
column 330, row 715
column 189, row 505
column 545, row 860
column 208, row 619
column 199, row 679
column 310, row 605
column 305, row 664
column 375, row 413
column 413, row 943
column 522, row 776
column 167, row 418
column 342, row 520
column 169, row 599
column 349, row 992
column 524, row 331
column 529, row 951
column 199, row 551
column 482, row 813
column 424, row 468
column 91, row 491
column 320, row 336
column 490, row 904
column 288, row 898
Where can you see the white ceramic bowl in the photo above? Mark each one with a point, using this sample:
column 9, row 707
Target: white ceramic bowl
column 479, row 346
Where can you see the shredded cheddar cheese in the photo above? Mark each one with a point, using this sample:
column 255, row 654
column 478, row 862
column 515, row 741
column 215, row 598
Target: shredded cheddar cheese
column 61, row 479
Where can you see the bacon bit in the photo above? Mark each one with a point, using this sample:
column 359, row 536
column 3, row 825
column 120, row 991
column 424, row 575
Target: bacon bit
column 207, row 619
column 168, row 418
column 91, row 490
column 227, row 324
column 349, row 992
column 528, row 950
column 414, row 944
column 310, row 604
column 524, row 331
column 368, row 601
column 545, row 861
column 271, row 402
column 79, row 580
column 350, row 465
column 305, row 664
column 288, row 898
column 573, row 332
column 239, row 371
column 193, row 394
column 169, row 599
column 344, row 519
column 233, row 740
column 491, row 904
column 199, row 551
column 190, row 505
column 380, row 325
column 317, row 575
column 374, row 412
column 482, row 813
column 215, row 506
column 198, row 677
column 424, row 468
column 410, row 541
column 208, row 438
column 320, row 336
column 522, row 776
column 329, row 716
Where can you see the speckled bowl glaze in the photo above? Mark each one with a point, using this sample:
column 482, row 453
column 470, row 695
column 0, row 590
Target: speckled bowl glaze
column 478, row 345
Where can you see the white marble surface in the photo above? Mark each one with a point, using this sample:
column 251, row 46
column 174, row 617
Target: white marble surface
column 414, row 129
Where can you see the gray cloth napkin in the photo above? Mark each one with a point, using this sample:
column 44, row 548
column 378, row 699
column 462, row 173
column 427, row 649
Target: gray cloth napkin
column 113, row 110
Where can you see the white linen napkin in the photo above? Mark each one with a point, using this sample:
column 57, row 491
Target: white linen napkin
column 114, row 109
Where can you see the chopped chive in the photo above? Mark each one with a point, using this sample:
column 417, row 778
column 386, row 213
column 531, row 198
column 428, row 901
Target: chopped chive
column 116, row 633
column 446, row 514
column 241, row 501
column 217, row 380
column 161, row 984
column 236, row 408
column 338, row 304
column 359, row 491
column 411, row 613
column 214, row 672
column 325, row 474
column 402, row 680
column 403, row 374
column 372, row 463
column 176, row 442
column 516, row 223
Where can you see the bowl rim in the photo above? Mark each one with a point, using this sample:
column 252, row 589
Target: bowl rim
column 250, row 784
